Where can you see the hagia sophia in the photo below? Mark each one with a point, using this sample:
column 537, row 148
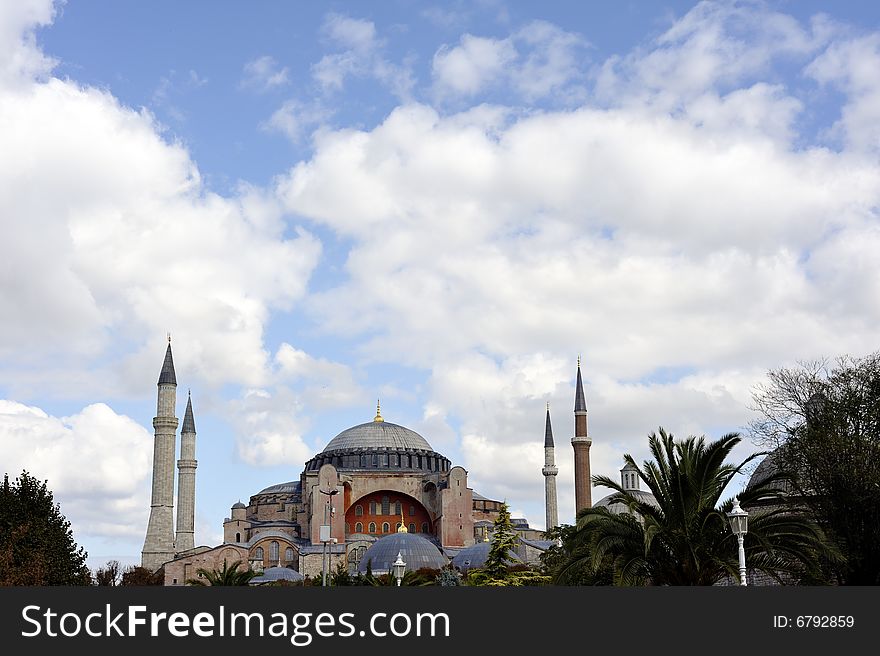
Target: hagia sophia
column 373, row 484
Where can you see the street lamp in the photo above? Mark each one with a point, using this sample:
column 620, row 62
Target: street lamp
column 739, row 524
column 398, row 567
column 325, row 531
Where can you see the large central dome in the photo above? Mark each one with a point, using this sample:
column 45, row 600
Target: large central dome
column 376, row 434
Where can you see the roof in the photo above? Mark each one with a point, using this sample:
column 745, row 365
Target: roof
column 476, row 555
column 580, row 403
column 167, row 376
column 375, row 434
column 239, row 505
column 548, row 431
column 189, row 424
column 291, row 487
column 272, row 574
column 618, row 507
column 767, row 468
column 416, row 551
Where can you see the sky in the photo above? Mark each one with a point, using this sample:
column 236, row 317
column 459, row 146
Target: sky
column 439, row 205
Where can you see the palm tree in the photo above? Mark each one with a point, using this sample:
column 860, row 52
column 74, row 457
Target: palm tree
column 686, row 539
column 228, row 575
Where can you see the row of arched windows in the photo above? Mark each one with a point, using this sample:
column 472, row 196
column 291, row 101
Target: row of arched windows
column 274, row 548
column 386, row 527
column 386, row 508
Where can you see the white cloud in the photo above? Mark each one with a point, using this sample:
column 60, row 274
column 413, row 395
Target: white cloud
column 264, row 74
column 21, row 59
column 295, row 118
column 535, row 61
column 360, row 55
column 108, row 231
column 853, row 66
column 269, row 427
column 97, row 464
column 327, row 384
column 469, row 67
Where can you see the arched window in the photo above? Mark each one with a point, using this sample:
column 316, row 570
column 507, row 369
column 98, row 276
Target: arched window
column 359, row 528
column 424, row 527
column 397, row 508
column 397, row 527
column 372, row 527
column 288, row 554
column 386, row 505
column 258, row 554
column 359, row 510
column 386, row 527
column 412, row 510
column 372, row 507
column 238, row 537
column 273, row 551
column 412, row 527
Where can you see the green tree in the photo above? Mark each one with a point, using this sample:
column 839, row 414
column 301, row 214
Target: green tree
column 567, row 561
column 503, row 541
column 686, row 538
column 36, row 540
column 227, row 575
column 823, row 419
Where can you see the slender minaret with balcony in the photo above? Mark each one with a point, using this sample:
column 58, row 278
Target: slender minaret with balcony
column 550, row 471
column 159, row 543
column 581, row 443
column 186, row 482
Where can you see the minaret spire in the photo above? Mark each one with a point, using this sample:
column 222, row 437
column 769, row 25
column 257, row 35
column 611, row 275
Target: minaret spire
column 159, row 541
column 186, row 481
column 581, row 442
column 550, row 471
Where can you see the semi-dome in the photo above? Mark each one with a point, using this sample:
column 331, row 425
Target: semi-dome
column 416, row 551
column 291, row 487
column 378, row 434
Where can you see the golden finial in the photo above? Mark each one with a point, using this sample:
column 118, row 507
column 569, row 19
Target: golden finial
column 402, row 528
column 169, row 338
column 548, row 406
column 579, row 360
column 378, row 417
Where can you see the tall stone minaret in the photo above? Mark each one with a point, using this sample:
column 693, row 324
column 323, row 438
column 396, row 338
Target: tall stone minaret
column 186, row 482
column 159, row 543
column 581, row 443
column 550, row 470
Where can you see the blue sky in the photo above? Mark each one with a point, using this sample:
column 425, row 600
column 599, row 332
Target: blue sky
column 441, row 205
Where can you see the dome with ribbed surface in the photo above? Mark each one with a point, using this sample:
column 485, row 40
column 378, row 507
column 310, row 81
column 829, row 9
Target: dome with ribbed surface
column 377, row 434
column 416, row 551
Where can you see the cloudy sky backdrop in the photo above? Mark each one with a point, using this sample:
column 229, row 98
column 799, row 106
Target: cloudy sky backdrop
column 441, row 205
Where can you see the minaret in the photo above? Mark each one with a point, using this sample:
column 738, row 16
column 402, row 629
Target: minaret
column 581, row 443
column 550, row 470
column 186, row 482
column 159, row 543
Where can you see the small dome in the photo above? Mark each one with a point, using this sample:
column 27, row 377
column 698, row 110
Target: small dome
column 476, row 555
column 238, row 506
column 416, row 551
column 272, row 574
column 767, row 468
column 378, row 434
column 618, row 507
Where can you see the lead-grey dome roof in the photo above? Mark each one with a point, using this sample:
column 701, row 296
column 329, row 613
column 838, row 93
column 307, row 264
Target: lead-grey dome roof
column 619, row 507
column 378, row 434
column 475, row 556
column 416, row 551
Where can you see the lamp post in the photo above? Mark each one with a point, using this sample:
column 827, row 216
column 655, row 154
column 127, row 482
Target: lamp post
column 398, row 567
column 325, row 531
column 739, row 524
